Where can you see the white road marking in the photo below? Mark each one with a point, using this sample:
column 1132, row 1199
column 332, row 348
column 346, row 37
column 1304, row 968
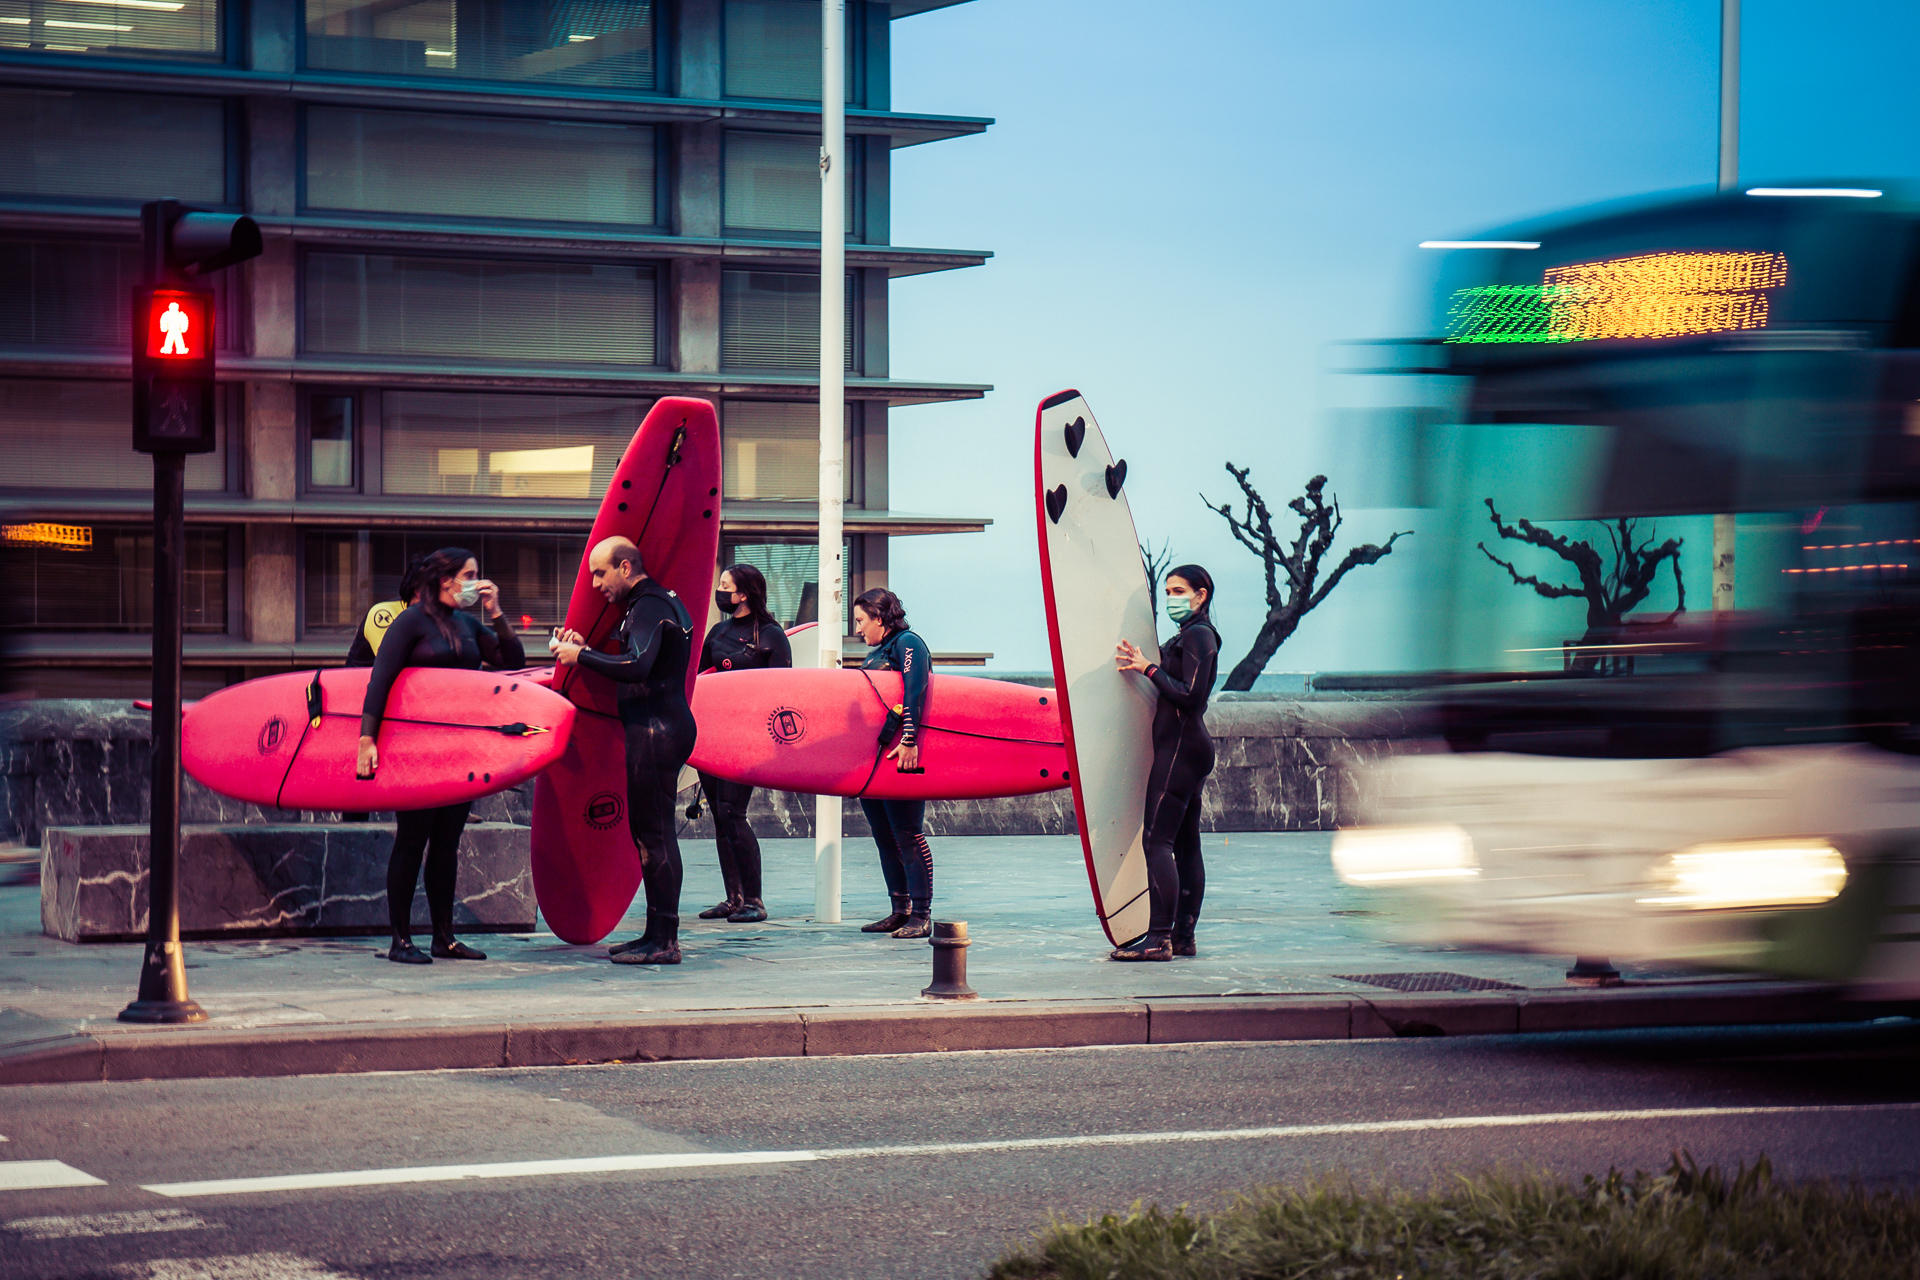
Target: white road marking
column 711, row 1159
column 28, row 1175
column 244, row 1266
column 134, row 1222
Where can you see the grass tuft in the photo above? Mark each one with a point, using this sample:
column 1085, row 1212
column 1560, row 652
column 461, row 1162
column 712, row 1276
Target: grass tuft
column 1687, row 1223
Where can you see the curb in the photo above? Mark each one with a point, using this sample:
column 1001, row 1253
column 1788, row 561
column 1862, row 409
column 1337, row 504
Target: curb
column 190, row 1053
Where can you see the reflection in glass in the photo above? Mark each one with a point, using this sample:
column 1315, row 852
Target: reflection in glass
column 476, row 444
column 593, row 42
column 84, row 145
column 166, row 28
column 771, row 451
column 108, row 586
column 330, row 443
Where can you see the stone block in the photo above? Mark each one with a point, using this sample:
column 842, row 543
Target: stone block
column 939, row 1029
column 661, row 1038
column 272, row 881
column 1196, row 1021
column 1481, row 1013
column 220, row 1054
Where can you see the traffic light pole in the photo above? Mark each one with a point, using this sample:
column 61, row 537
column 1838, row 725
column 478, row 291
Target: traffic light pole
column 163, row 974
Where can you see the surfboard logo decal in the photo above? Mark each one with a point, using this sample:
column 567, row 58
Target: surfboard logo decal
column 1056, row 503
column 605, row 811
column 272, row 733
column 786, row 726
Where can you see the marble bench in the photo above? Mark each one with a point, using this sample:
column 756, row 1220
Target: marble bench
column 266, row 880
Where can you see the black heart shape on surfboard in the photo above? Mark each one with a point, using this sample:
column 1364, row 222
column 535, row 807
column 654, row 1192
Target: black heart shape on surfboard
column 1076, row 435
column 1116, row 476
column 1056, row 503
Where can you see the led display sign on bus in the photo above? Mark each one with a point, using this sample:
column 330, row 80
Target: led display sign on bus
column 1649, row 295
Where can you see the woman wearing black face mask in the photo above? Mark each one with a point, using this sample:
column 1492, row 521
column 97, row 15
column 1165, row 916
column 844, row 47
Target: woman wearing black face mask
column 1182, row 759
column 745, row 639
column 433, row 631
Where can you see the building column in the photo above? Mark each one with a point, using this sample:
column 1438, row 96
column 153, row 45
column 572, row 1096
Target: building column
column 272, row 573
column 695, row 313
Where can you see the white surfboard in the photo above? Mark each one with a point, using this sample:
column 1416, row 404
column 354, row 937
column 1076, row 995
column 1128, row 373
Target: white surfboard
column 1097, row 594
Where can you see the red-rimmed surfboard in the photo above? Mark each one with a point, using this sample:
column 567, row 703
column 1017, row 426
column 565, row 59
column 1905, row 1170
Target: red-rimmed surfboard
column 665, row 498
column 449, row 736
column 818, row 731
column 1096, row 595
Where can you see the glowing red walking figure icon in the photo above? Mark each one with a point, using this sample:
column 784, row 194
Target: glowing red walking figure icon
column 173, row 323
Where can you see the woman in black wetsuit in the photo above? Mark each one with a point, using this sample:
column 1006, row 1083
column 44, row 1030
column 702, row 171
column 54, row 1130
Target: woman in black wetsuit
column 906, row 859
column 434, row 631
column 746, row 638
column 1182, row 759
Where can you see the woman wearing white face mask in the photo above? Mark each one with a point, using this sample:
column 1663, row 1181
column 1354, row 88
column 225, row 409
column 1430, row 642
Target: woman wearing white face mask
column 433, row 631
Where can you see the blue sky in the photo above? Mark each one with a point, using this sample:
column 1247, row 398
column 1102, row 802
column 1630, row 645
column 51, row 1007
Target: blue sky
column 1192, row 206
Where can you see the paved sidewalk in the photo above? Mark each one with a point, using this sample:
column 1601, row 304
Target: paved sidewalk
column 1277, row 929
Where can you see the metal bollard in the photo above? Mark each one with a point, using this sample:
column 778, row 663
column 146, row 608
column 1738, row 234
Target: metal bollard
column 950, row 945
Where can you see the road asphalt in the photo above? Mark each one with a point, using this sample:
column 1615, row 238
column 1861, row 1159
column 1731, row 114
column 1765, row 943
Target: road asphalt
column 921, row 1165
column 1286, row 952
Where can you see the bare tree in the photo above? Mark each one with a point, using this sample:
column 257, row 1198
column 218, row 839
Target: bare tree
column 1298, row 563
column 1156, row 564
column 1610, row 593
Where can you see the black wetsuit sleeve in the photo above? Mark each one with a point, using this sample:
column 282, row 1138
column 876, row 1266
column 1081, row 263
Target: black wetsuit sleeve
column 916, row 668
column 774, row 640
column 706, row 649
column 360, row 653
column 407, row 630
column 1198, row 647
column 646, row 636
column 500, row 646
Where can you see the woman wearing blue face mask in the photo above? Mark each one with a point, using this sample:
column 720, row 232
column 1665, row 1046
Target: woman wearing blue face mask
column 1182, row 759
column 433, row 631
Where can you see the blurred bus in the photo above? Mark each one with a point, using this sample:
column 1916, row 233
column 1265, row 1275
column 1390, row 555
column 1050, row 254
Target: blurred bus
column 1733, row 789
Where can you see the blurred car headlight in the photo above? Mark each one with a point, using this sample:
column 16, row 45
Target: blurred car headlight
column 1383, row 855
column 1751, row 873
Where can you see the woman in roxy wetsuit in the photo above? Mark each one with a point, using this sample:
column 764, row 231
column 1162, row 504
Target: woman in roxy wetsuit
column 906, row 860
column 1182, row 759
column 433, row 632
column 745, row 639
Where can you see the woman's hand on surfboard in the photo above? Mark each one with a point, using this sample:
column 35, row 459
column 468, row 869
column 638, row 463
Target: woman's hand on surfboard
column 368, row 759
column 906, row 757
column 1128, row 658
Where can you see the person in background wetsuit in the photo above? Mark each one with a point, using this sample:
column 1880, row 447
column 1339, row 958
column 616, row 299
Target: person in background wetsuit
column 906, row 859
column 656, row 640
column 1182, row 759
column 746, row 638
column 433, row 632
column 365, row 647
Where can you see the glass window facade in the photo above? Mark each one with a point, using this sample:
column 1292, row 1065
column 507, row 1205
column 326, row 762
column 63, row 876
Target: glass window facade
column 771, row 452
column 505, row 446
column 773, row 182
column 333, row 423
column 487, row 167
column 347, row 571
column 792, row 569
column 107, row 584
column 163, row 28
column 79, row 435
column 123, row 147
column 78, row 295
column 773, row 49
column 771, row 320
column 608, row 43
column 463, row 309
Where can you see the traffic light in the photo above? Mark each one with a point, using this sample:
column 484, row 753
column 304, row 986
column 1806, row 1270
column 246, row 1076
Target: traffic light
column 173, row 322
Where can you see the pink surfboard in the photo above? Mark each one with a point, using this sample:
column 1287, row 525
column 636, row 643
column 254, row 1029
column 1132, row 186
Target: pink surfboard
column 817, row 731
column 665, row 497
column 448, row 736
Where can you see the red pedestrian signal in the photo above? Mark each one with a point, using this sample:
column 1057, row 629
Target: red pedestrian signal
column 179, row 324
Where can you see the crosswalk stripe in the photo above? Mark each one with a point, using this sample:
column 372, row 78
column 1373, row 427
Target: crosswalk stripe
column 243, row 1266
column 30, row 1175
column 94, row 1225
column 708, row 1159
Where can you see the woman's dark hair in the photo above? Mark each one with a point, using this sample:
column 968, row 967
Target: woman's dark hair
column 882, row 604
column 421, row 584
column 752, row 584
column 1200, row 580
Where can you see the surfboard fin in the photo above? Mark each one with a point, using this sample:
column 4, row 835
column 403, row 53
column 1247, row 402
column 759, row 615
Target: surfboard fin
column 1056, row 503
column 1116, row 476
column 314, row 709
column 1076, row 435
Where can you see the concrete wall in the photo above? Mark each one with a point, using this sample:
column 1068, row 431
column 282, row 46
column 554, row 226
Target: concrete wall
column 1284, row 765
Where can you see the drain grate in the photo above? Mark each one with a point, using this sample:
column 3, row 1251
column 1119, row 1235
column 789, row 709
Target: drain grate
column 1429, row 982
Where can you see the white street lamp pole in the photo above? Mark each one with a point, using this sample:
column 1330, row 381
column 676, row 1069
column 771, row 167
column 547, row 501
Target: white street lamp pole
column 833, row 270
column 1724, row 525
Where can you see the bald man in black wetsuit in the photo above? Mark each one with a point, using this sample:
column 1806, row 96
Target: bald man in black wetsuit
column 656, row 643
